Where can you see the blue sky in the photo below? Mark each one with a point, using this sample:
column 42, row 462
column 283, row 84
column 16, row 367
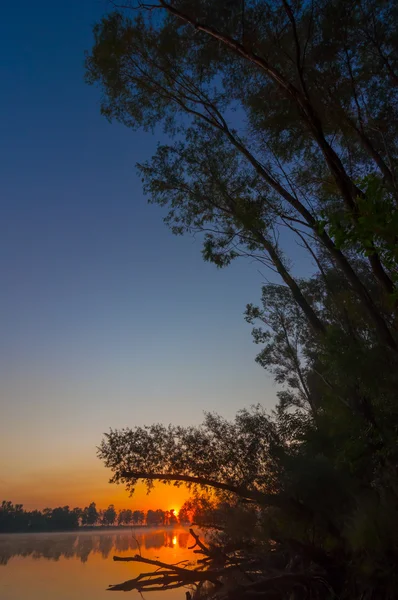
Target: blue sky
column 107, row 319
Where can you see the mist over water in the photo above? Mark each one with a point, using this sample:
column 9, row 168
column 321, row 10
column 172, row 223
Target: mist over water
column 80, row 566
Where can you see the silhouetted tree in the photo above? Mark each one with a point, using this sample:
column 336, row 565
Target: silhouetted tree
column 183, row 515
column 312, row 152
column 154, row 518
column 138, row 517
column 172, row 519
column 282, row 124
column 64, row 518
column 36, row 521
column 90, row 514
column 109, row 515
column 12, row 517
column 125, row 517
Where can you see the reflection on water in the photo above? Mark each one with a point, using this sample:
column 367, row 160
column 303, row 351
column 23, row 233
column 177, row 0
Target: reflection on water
column 79, row 564
column 81, row 545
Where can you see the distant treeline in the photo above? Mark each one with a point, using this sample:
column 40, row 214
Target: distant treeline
column 14, row 518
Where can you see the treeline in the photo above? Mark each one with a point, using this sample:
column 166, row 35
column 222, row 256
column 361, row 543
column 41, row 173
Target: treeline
column 14, row 518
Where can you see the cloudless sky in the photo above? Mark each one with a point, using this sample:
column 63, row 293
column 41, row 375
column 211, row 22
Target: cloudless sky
column 107, row 319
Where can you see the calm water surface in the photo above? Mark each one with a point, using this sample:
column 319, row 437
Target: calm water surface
column 79, row 566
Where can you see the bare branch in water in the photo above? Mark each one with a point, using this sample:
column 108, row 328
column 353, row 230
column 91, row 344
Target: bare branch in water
column 167, row 576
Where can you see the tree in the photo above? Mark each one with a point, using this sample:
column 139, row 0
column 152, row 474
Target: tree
column 183, row 515
column 12, row 517
column 90, row 514
column 198, row 510
column 172, row 517
column 65, row 518
column 125, row 517
column 138, row 517
column 282, row 127
column 128, row 516
column 155, row 518
column 35, row 521
column 109, row 515
column 141, row 517
column 297, row 163
column 226, row 456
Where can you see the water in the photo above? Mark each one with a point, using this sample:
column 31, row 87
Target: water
column 79, row 565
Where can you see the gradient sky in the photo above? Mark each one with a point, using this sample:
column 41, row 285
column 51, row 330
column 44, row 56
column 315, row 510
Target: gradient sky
column 107, row 319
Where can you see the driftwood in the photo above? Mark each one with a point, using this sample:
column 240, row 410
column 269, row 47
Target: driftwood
column 167, row 576
column 212, row 568
column 217, row 568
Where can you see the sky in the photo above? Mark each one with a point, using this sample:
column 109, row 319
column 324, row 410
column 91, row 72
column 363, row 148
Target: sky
column 106, row 319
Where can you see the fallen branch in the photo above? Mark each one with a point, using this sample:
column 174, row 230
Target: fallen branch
column 215, row 556
column 148, row 561
column 172, row 576
column 167, row 576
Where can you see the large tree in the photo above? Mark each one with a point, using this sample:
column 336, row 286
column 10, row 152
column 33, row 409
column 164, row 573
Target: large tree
column 282, row 126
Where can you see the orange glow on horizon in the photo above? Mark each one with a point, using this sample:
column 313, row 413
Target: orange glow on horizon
column 162, row 496
column 79, row 487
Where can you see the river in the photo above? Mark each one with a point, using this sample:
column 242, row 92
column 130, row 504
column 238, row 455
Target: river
column 79, row 565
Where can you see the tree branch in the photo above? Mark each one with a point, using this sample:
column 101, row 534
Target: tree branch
column 259, row 497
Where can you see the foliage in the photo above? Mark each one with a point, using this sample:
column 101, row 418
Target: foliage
column 377, row 223
column 288, row 129
column 216, row 452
